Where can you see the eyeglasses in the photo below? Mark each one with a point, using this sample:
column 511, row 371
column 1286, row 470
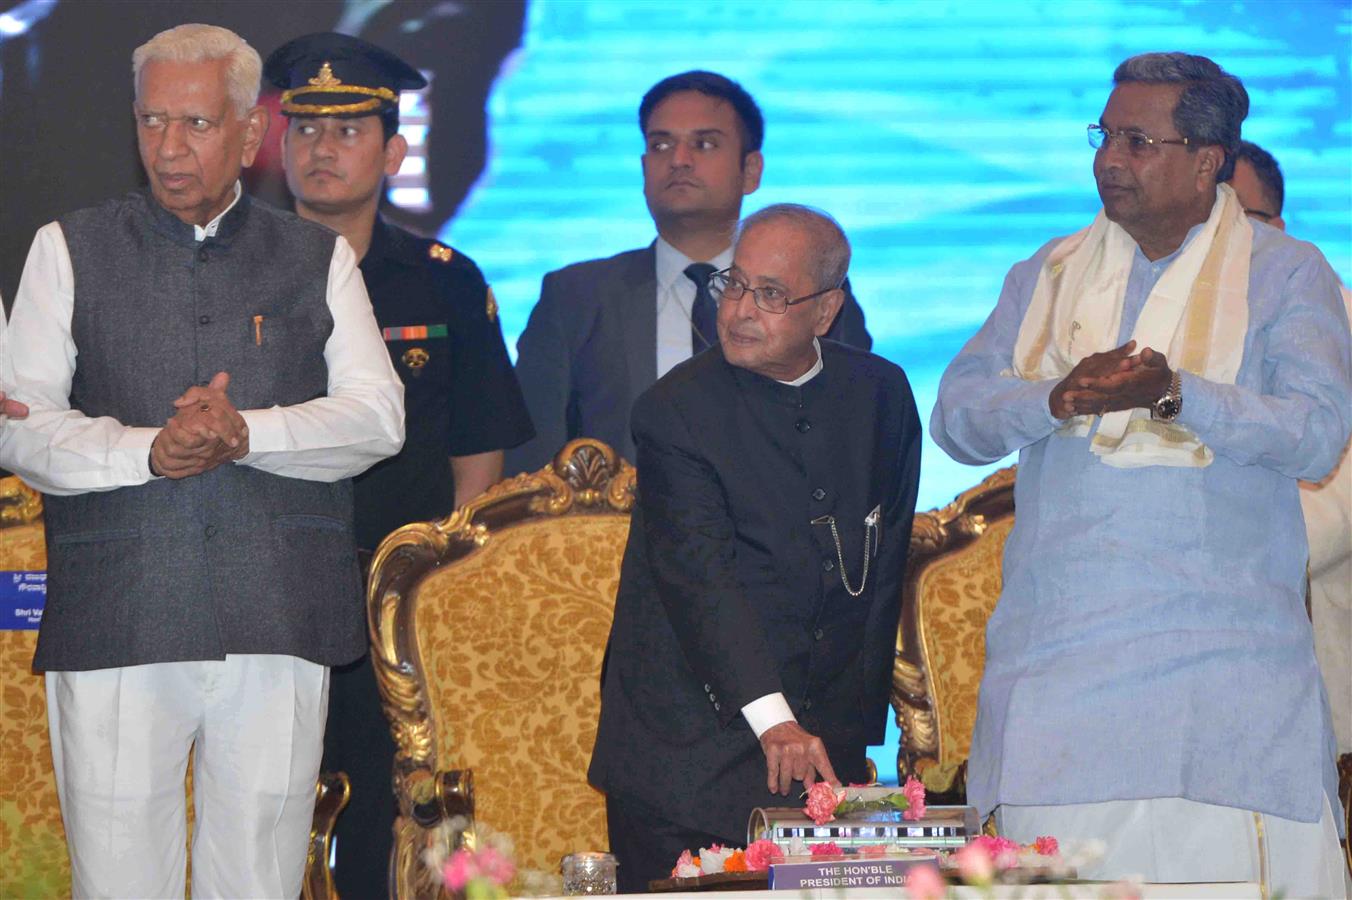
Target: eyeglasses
column 770, row 298
column 1138, row 143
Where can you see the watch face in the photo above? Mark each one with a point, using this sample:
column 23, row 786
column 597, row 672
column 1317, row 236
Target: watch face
column 1166, row 408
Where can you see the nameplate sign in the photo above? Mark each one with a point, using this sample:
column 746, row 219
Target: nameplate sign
column 22, row 598
column 852, row 872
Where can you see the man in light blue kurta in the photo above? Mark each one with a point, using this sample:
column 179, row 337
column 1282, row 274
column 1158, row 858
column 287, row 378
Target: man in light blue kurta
column 1151, row 642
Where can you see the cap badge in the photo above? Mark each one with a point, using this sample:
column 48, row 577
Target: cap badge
column 325, row 78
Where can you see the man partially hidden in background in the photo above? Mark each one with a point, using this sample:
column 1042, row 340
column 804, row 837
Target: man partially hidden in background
column 604, row 330
column 751, row 649
column 202, row 575
column 439, row 320
column 1166, row 376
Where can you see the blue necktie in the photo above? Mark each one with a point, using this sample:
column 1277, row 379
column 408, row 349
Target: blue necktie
column 704, row 312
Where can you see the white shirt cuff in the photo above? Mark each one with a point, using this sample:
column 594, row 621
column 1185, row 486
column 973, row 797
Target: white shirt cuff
column 136, row 441
column 766, row 712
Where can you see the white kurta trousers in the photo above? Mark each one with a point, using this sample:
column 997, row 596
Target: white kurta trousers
column 1170, row 839
column 120, row 744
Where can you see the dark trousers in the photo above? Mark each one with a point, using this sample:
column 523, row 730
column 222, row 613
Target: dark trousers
column 357, row 741
column 646, row 846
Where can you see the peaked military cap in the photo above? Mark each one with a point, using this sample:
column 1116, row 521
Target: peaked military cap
column 331, row 74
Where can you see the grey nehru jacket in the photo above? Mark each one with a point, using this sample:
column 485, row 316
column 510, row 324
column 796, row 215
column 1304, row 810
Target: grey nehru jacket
column 236, row 560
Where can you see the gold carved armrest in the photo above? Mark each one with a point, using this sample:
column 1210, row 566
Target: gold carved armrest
column 434, row 808
column 436, row 797
column 332, row 792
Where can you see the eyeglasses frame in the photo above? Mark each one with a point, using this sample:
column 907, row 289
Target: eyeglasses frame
column 755, row 293
column 1108, row 135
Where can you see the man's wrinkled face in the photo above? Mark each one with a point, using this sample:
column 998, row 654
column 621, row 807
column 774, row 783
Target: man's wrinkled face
column 692, row 161
column 1156, row 189
column 775, row 254
column 334, row 165
column 193, row 142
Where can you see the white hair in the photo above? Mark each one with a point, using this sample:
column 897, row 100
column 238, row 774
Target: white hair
column 196, row 43
column 831, row 249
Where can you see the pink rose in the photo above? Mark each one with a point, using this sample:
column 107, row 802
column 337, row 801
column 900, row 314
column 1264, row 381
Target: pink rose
column 1046, row 846
column 459, row 869
column 822, row 801
column 915, row 796
column 1003, row 852
column 975, row 864
column 763, row 854
column 827, row 849
column 496, row 866
column 925, row 883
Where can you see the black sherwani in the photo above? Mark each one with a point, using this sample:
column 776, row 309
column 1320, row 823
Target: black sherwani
column 728, row 592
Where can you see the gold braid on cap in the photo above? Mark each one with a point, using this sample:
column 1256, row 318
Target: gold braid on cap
column 326, row 83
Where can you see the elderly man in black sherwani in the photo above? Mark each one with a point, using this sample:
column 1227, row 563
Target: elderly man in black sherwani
column 757, row 611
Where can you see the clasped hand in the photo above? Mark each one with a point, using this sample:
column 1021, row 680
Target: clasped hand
column 793, row 754
column 1111, row 381
column 206, row 431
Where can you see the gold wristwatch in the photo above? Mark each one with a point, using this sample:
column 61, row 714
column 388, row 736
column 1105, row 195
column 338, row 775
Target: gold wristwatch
column 1167, row 407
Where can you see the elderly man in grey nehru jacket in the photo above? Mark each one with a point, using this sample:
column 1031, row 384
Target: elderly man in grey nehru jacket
column 203, row 576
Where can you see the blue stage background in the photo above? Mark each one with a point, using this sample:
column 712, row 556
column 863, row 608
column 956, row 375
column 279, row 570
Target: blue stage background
column 948, row 139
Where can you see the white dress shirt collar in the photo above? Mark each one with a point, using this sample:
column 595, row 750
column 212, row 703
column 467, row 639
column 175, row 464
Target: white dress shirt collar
column 810, row 373
column 672, row 263
column 201, row 234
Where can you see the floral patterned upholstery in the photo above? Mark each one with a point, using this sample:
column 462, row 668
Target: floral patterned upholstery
column 490, row 627
column 517, row 683
column 957, row 594
column 951, row 587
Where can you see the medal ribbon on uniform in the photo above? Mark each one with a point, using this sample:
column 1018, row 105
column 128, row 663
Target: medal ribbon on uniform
column 414, row 332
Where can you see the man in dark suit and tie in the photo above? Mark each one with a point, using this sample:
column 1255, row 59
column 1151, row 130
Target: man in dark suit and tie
column 605, row 330
column 751, row 649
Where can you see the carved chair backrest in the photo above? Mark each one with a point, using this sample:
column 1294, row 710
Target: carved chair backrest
column 490, row 627
column 952, row 584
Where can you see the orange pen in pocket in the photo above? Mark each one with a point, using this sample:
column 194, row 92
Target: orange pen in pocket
column 258, row 331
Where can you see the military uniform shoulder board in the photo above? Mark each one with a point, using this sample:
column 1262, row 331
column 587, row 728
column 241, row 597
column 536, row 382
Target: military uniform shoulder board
column 492, row 306
column 440, row 252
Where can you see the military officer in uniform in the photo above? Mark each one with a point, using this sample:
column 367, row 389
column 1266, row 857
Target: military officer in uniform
column 439, row 320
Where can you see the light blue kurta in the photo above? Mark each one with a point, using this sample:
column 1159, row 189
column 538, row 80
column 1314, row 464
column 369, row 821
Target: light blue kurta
column 1151, row 639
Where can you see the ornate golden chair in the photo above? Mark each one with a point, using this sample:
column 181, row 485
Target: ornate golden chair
column 951, row 586
column 489, row 629
column 33, row 859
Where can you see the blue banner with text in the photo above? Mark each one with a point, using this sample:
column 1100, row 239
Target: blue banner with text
column 22, row 597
